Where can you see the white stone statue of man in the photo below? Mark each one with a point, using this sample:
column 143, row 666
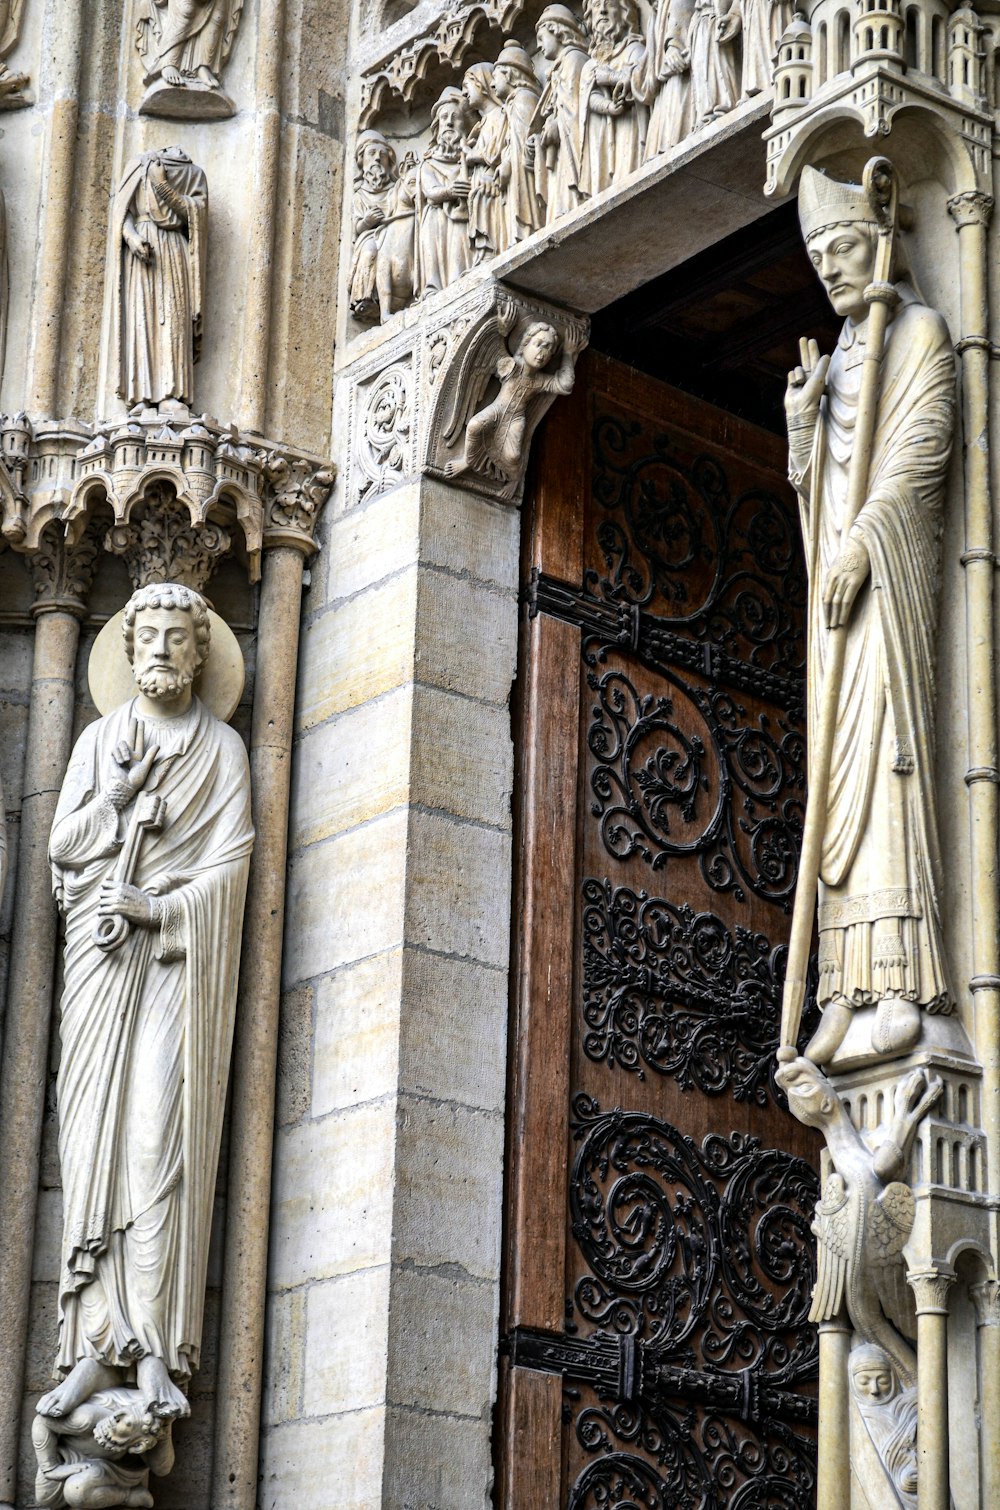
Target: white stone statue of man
column 880, row 936
column 149, row 851
column 160, row 221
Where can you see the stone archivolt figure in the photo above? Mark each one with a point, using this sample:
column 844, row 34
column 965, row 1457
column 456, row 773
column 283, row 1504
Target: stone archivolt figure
column 373, row 186
column 612, row 86
column 667, row 83
column 517, row 88
column 495, row 436
column 764, row 22
column 149, row 851
column 487, row 222
column 558, row 140
column 160, row 217
column 184, row 43
column 714, row 77
column 394, row 265
column 444, row 249
column 880, row 937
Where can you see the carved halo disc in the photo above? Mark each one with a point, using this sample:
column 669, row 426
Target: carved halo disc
column 219, row 684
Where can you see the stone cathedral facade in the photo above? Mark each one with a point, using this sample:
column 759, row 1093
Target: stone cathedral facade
column 500, row 845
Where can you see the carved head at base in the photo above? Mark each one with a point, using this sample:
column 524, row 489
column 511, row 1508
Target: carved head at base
column 811, row 1097
column 132, row 1429
column 873, row 1375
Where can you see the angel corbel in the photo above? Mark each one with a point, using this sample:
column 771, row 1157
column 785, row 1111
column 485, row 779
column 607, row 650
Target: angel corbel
column 496, row 436
column 866, row 1211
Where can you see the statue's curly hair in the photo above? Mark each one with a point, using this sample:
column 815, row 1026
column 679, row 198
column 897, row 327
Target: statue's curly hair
column 168, row 595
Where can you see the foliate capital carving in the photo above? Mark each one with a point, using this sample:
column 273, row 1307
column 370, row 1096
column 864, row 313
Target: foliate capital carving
column 971, row 208
column 459, row 397
column 179, row 489
column 986, row 1299
column 930, row 1288
column 299, row 488
column 62, row 573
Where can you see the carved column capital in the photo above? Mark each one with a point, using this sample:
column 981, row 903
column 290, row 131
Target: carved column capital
column 459, row 395
column 62, row 573
column 298, row 490
column 986, row 1299
column 973, row 207
column 930, row 1288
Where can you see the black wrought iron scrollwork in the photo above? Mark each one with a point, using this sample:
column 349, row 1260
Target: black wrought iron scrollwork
column 672, row 535
column 676, row 991
column 699, row 1267
column 711, row 782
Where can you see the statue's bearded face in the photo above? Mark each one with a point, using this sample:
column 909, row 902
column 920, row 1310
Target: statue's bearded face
column 165, row 654
column 844, row 257
column 375, row 166
column 606, row 20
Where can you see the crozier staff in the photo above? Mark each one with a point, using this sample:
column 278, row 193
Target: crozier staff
column 870, row 433
column 146, row 1028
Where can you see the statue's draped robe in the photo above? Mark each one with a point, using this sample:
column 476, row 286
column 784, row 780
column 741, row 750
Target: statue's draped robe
column 880, row 873
column 367, row 239
column 444, row 248
column 146, row 1036
column 612, row 145
column 486, row 212
column 668, row 94
column 520, row 202
column 764, row 22
column 188, row 34
column 714, row 76
column 158, row 303
column 557, row 170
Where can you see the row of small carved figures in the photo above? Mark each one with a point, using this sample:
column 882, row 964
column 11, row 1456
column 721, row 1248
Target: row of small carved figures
column 508, row 154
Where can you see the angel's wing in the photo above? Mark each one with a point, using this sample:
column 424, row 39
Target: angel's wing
column 890, row 1223
column 478, row 367
column 833, row 1229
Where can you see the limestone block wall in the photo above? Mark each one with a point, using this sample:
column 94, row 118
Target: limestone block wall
column 387, row 1191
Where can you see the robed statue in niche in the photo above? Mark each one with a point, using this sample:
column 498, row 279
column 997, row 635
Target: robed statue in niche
column 880, row 934
column 149, row 850
column 160, row 217
column 183, row 45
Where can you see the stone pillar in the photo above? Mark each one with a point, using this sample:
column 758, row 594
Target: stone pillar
column 930, row 1289
column 287, row 542
column 971, row 213
column 384, row 1304
column 62, row 577
column 833, row 1475
column 986, row 1297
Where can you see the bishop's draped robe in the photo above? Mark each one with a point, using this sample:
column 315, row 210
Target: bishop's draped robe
column 880, row 873
column 146, row 1035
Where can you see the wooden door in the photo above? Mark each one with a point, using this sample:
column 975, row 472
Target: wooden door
column 659, row 1264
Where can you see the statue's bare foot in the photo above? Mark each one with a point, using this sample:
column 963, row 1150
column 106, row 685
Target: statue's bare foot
column 897, row 1026
column 456, row 468
column 172, row 76
column 87, row 1376
column 139, row 1497
column 161, row 1396
column 206, row 76
column 830, row 1034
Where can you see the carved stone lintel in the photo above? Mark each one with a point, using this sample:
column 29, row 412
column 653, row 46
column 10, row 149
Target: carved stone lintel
column 930, row 1288
column 459, row 396
column 971, row 208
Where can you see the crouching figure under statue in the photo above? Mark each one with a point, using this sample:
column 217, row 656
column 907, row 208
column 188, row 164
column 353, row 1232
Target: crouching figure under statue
column 149, row 851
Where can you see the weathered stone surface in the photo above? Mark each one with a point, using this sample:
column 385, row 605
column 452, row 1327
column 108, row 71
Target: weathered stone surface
column 304, row 1460
column 352, row 768
column 448, row 654
column 463, row 757
column 285, row 1357
column 429, row 1310
column 358, row 650
column 346, row 1342
column 453, row 867
column 358, row 1013
column 295, row 1055
column 453, row 1056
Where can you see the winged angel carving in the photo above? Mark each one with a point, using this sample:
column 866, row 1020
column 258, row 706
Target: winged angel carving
column 521, row 355
column 866, row 1211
